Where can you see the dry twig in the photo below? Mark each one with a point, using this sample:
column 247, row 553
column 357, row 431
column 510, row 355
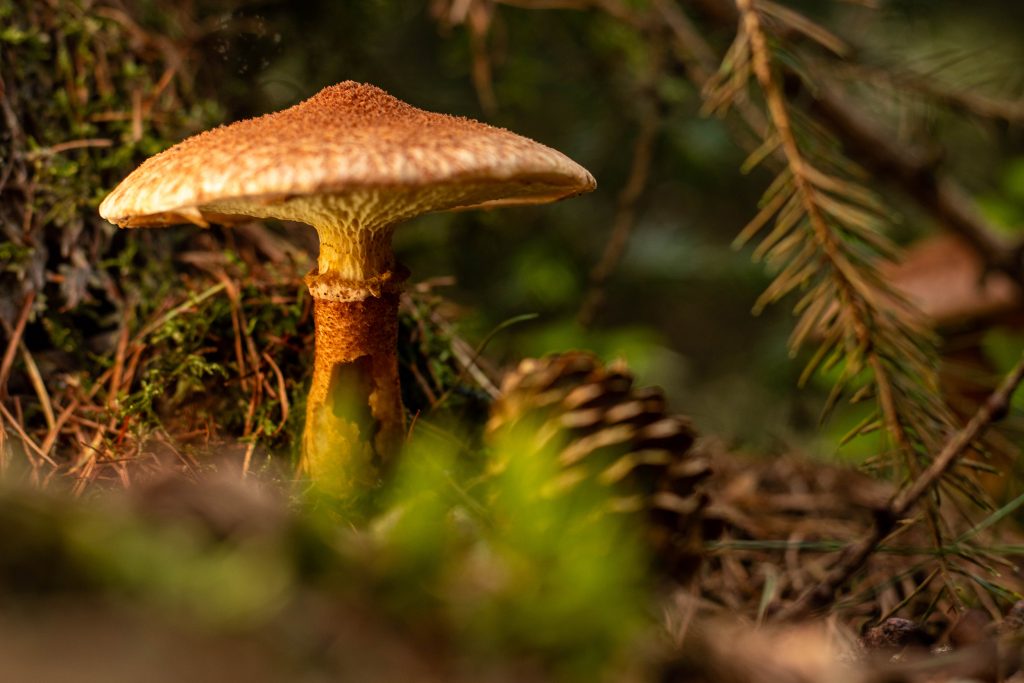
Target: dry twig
column 625, row 215
column 13, row 340
column 855, row 555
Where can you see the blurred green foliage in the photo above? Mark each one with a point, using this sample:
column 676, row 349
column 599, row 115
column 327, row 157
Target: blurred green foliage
column 488, row 568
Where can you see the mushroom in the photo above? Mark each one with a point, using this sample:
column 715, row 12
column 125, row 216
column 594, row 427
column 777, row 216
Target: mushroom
column 353, row 162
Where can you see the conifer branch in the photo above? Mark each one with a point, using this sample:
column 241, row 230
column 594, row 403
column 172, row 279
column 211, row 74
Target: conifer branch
column 914, row 172
column 824, row 240
column 858, row 322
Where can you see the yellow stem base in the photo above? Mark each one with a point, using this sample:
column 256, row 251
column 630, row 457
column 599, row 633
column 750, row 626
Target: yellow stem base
column 354, row 417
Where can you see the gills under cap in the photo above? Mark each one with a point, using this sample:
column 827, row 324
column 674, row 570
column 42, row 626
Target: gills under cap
column 347, row 139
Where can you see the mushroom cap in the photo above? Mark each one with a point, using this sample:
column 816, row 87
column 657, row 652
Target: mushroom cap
column 347, row 139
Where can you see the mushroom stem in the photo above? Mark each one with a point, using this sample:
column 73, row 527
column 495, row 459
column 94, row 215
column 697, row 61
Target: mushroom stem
column 354, row 253
column 354, row 416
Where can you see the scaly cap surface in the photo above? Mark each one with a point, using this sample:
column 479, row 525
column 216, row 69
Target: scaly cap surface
column 350, row 139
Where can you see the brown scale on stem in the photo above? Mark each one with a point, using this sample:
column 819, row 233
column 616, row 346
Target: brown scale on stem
column 354, row 403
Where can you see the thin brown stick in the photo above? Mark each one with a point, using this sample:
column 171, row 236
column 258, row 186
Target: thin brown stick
column 118, row 370
column 992, row 410
column 5, row 455
column 468, row 358
column 236, row 325
column 625, row 217
column 25, row 438
column 35, row 378
column 701, row 62
column 282, row 390
column 479, row 20
column 58, row 425
column 244, row 340
column 67, row 146
column 14, row 337
column 133, row 365
column 855, row 555
column 249, row 449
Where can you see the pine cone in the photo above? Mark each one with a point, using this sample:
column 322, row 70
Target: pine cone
column 617, row 434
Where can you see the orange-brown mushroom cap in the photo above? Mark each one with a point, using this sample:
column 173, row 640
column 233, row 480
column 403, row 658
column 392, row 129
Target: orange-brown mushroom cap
column 347, row 138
